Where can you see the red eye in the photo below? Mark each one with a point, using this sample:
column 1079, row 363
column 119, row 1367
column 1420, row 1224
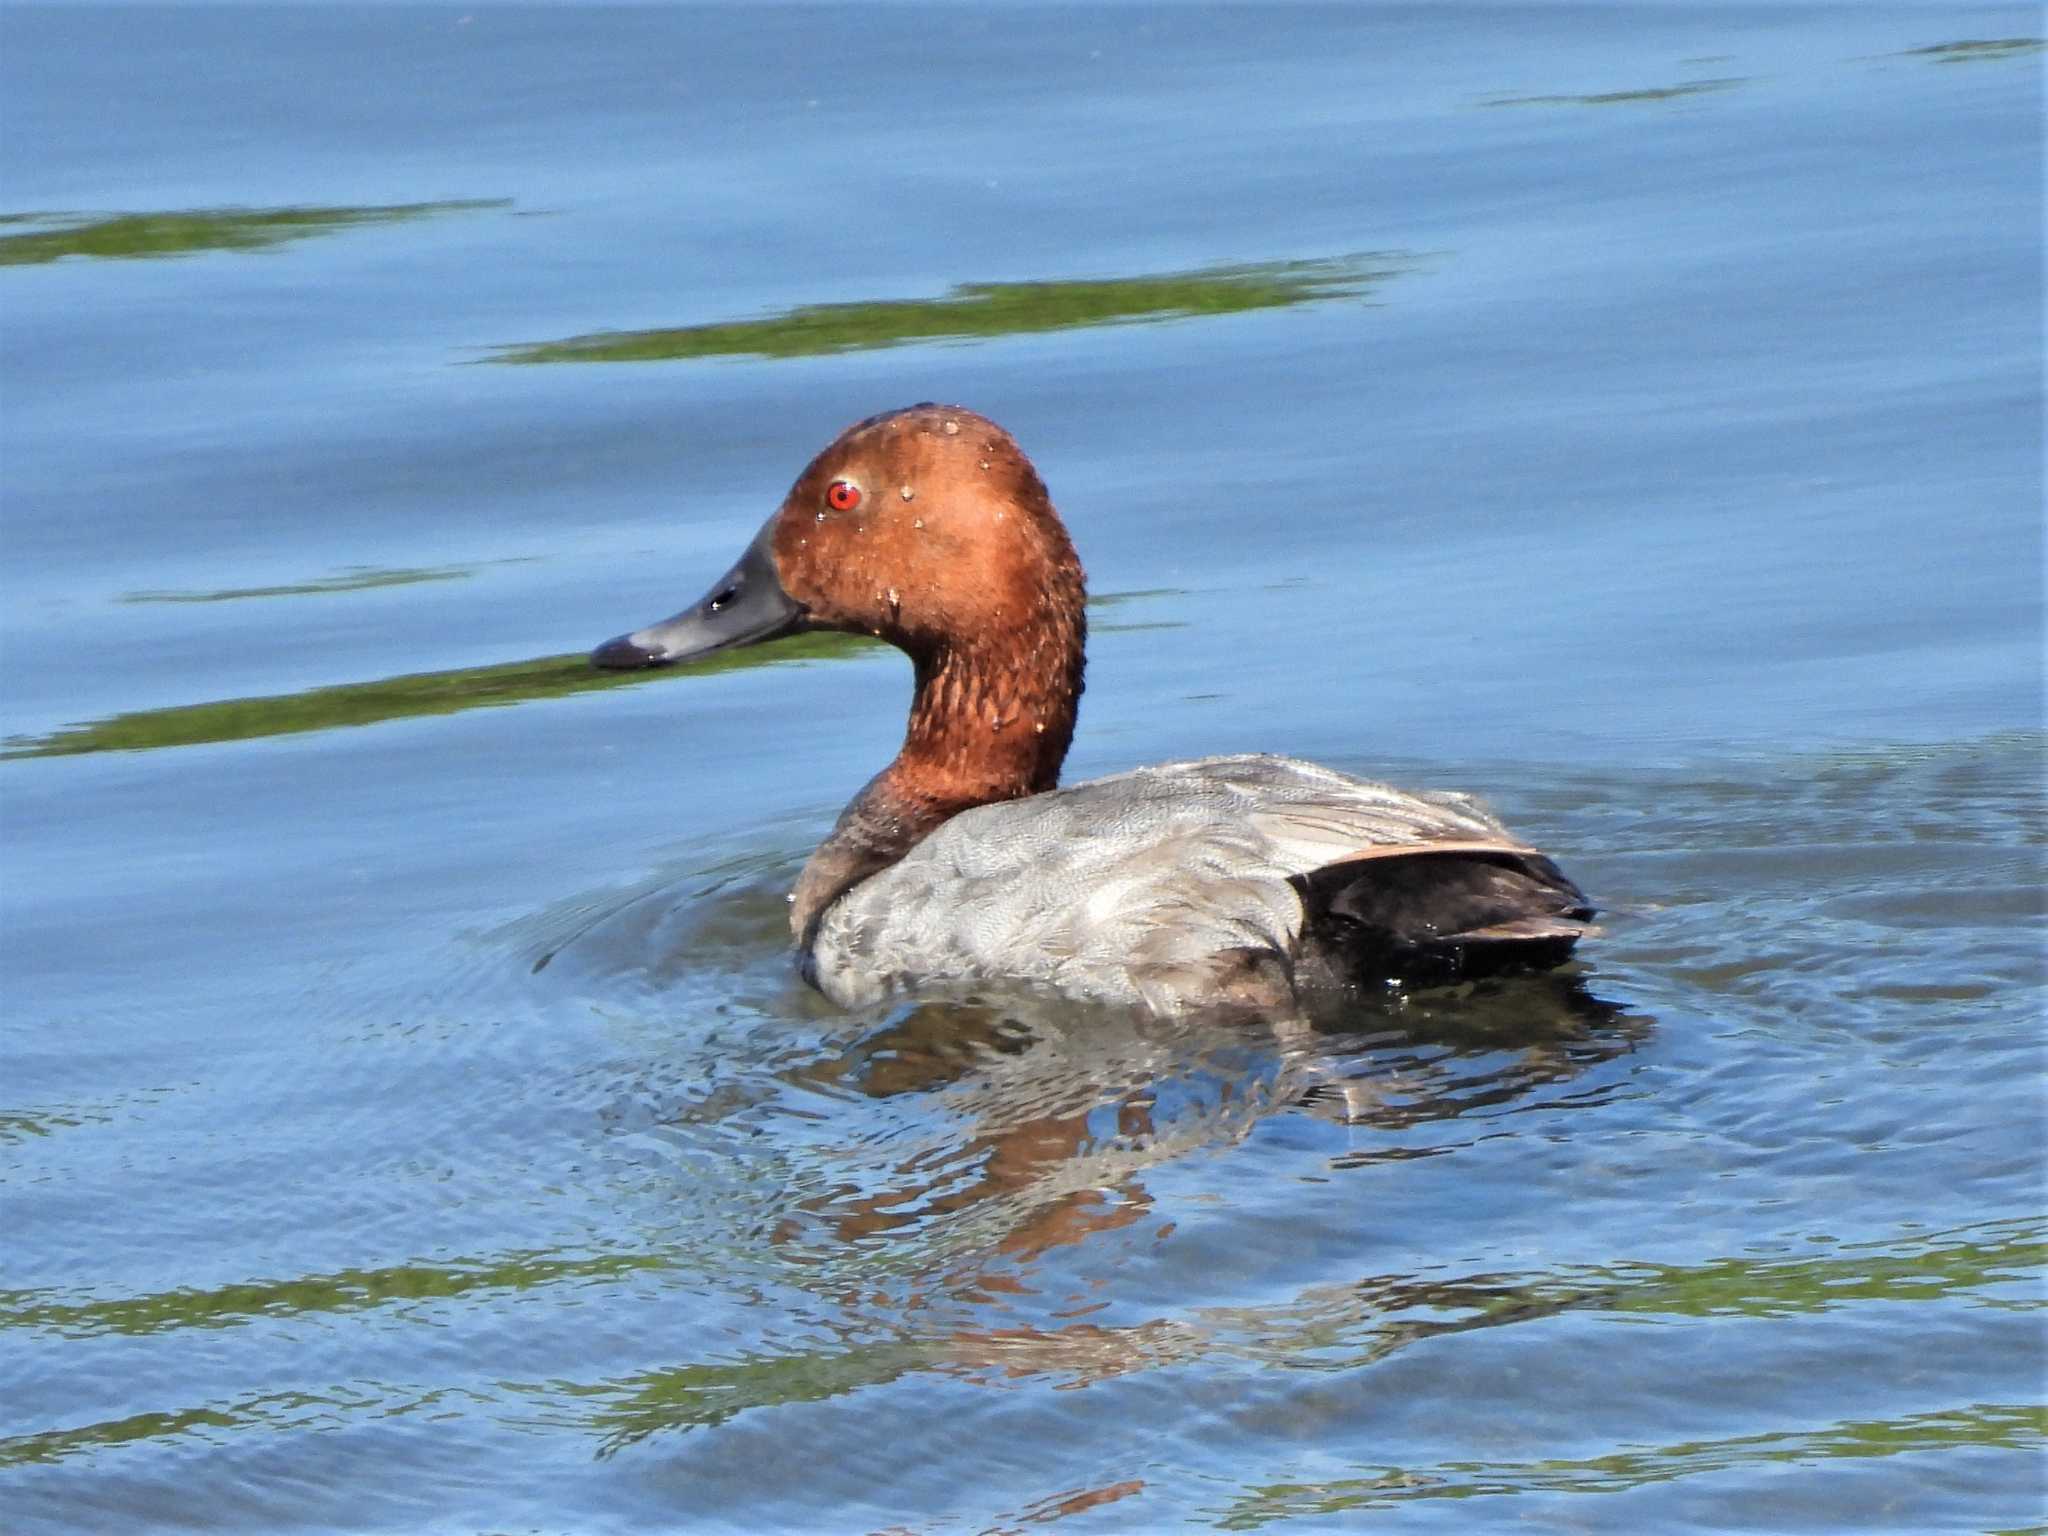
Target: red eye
column 842, row 496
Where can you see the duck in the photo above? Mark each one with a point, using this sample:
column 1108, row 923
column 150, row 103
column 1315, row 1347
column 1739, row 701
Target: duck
column 1246, row 882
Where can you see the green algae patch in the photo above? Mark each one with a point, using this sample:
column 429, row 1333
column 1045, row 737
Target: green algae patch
column 1973, row 49
column 981, row 312
column 355, row 579
column 703, row 1395
column 348, row 1290
column 1641, row 97
column 395, row 698
column 136, row 236
column 425, row 693
column 1995, row 1426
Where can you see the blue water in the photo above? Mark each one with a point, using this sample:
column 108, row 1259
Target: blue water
column 415, row 1125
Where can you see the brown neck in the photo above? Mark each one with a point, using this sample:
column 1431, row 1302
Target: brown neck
column 984, row 727
column 989, row 727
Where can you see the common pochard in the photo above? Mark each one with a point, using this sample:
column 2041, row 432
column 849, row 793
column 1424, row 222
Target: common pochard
column 1247, row 881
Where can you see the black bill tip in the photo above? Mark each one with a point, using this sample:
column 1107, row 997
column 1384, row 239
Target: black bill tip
column 624, row 654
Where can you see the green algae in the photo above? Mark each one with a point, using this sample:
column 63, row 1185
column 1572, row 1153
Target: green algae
column 348, row 1290
column 393, row 698
column 355, row 579
column 1970, row 50
column 2001, row 1426
column 1620, row 98
column 184, row 232
column 420, row 693
column 980, row 312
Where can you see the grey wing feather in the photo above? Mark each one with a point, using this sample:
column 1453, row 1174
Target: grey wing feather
column 1126, row 887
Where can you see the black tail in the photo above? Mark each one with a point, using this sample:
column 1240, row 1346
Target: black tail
column 1428, row 917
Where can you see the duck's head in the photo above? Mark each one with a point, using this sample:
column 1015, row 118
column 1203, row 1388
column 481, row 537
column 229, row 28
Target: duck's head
column 926, row 527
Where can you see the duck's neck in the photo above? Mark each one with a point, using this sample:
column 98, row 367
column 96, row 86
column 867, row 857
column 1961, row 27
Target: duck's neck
column 986, row 724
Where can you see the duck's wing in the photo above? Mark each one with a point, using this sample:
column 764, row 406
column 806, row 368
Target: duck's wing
column 1390, row 885
column 1186, row 884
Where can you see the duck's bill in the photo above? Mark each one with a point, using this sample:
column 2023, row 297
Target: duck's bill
column 746, row 604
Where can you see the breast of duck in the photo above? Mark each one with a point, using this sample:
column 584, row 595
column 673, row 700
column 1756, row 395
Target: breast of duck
column 1242, row 882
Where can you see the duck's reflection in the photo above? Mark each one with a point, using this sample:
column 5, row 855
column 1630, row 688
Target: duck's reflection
column 1060, row 1115
column 964, row 1183
column 1049, row 1112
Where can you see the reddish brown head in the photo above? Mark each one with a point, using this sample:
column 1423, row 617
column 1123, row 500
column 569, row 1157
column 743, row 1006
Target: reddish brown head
column 928, row 528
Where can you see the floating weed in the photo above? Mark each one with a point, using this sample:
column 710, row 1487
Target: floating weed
column 133, row 236
column 981, row 311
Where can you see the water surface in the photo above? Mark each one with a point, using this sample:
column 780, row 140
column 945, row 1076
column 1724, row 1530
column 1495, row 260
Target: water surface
column 408, row 1118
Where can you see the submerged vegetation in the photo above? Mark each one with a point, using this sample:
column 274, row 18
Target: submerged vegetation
column 420, row 693
column 131, row 236
column 1619, row 98
column 356, row 579
column 1346, row 1328
column 347, row 1290
column 2004, row 1426
column 1977, row 48
column 978, row 311
column 392, row 698
column 1326, row 1329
